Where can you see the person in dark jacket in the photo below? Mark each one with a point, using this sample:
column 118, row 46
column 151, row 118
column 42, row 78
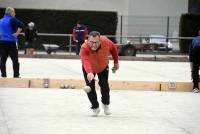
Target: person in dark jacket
column 30, row 38
column 79, row 34
column 194, row 58
column 10, row 28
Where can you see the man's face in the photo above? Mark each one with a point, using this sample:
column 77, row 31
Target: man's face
column 78, row 25
column 13, row 13
column 30, row 28
column 94, row 42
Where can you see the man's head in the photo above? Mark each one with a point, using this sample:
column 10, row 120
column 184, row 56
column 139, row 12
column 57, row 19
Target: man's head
column 31, row 25
column 78, row 24
column 94, row 40
column 10, row 11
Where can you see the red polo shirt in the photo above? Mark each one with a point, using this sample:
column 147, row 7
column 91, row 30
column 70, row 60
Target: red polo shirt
column 96, row 61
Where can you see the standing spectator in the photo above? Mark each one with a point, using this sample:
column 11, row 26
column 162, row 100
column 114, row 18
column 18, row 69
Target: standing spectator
column 94, row 54
column 79, row 35
column 30, row 38
column 10, row 27
column 194, row 58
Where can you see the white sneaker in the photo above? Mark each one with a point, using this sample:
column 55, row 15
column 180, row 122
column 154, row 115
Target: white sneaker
column 195, row 90
column 106, row 109
column 96, row 111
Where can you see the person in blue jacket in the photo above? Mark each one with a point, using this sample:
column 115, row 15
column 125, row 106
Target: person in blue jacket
column 194, row 58
column 10, row 28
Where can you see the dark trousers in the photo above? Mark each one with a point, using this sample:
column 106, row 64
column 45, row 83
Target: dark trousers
column 196, row 64
column 78, row 46
column 104, row 88
column 9, row 49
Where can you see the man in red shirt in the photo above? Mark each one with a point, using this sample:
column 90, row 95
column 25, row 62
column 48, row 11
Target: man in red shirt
column 94, row 55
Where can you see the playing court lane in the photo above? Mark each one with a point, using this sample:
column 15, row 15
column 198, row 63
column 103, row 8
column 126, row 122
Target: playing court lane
column 67, row 111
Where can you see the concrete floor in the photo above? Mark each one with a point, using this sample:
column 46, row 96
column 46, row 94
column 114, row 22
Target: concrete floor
column 58, row 111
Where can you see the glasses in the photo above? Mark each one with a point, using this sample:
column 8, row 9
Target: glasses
column 94, row 43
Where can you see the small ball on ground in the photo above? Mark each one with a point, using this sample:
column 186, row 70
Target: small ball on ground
column 72, row 86
column 87, row 89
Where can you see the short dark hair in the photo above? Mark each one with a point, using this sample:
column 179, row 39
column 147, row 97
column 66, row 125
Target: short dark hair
column 79, row 22
column 94, row 33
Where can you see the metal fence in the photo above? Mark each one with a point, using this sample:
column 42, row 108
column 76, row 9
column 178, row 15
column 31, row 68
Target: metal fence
column 147, row 25
column 65, row 43
column 130, row 28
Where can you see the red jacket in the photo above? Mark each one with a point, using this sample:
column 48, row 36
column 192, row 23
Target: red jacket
column 96, row 61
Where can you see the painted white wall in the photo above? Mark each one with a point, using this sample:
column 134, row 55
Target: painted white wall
column 121, row 6
column 157, row 7
column 150, row 17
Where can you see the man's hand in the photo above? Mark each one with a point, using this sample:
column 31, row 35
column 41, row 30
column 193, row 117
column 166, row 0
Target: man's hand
column 115, row 68
column 17, row 32
column 90, row 77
